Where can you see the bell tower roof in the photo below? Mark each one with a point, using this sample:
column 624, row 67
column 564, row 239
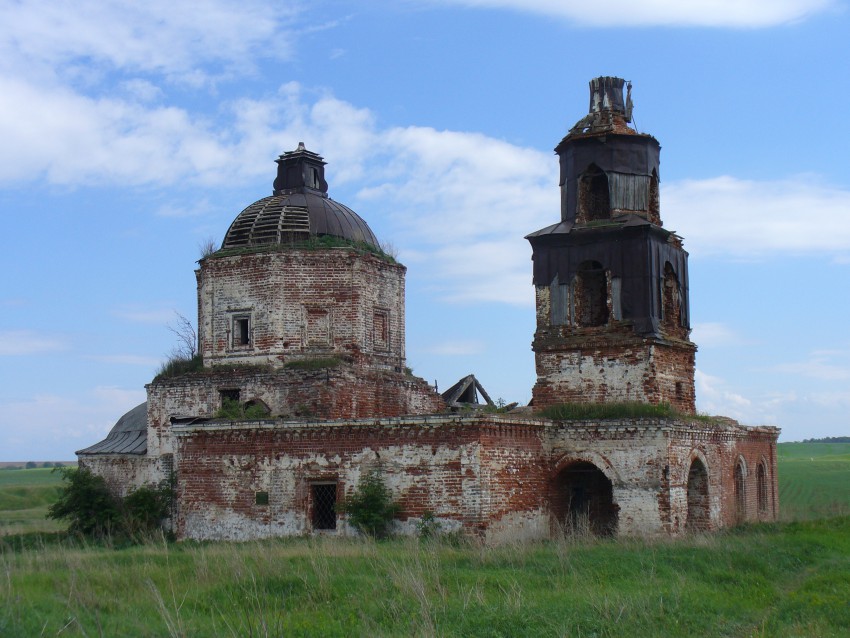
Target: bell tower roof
column 609, row 111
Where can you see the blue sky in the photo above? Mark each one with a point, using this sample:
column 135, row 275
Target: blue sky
column 132, row 132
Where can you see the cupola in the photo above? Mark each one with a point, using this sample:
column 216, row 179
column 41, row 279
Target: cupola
column 298, row 209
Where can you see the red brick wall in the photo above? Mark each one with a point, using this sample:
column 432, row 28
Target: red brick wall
column 301, row 304
column 342, row 392
column 488, row 475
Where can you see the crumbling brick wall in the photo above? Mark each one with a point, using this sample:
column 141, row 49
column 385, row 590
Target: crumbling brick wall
column 124, row 473
column 301, row 303
column 344, row 391
column 609, row 370
column 490, row 475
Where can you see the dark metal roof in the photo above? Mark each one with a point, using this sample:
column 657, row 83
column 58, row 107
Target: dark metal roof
column 128, row 436
column 281, row 219
column 299, row 208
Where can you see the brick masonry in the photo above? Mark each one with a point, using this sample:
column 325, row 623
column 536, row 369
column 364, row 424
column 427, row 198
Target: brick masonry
column 615, row 331
column 492, row 476
column 610, row 363
column 301, row 304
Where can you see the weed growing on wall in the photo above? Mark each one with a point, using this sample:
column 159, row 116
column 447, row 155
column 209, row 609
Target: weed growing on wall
column 236, row 411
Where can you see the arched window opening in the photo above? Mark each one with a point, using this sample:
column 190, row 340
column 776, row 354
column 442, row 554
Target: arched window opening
column 740, row 493
column 698, row 510
column 761, row 485
column 671, row 301
column 583, row 500
column 591, row 294
column 559, row 303
column 594, row 202
column 654, row 206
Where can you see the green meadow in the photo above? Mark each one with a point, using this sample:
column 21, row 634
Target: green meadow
column 25, row 496
column 814, row 480
column 785, row 579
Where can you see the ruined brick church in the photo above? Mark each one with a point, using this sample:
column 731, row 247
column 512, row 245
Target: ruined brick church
column 301, row 328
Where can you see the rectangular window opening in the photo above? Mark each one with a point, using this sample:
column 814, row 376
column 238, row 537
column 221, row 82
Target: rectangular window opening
column 381, row 329
column 241, row 336
column 229, row 394
column 261, row 498
column 324, row 506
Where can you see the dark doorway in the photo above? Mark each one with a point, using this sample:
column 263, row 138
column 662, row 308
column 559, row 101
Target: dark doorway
column 698, row 511
column 583, row 500
column 324, row 505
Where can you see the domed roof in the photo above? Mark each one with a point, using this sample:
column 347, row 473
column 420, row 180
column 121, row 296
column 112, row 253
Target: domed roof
column 298, row 209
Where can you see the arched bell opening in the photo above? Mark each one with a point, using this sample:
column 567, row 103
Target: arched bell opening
column 591, row 293
column 594, row 201
column 582, row 500
column 671, row 309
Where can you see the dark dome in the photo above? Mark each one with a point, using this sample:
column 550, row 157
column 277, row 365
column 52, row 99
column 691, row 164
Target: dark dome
column 298, row 209
column 279, row 219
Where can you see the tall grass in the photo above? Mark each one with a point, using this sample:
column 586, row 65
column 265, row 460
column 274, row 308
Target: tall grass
column 784, row 579
column 765, row 580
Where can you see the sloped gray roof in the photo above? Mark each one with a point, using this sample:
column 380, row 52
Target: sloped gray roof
column 128, row 436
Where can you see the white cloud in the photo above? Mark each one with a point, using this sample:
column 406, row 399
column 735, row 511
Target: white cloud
column 194, row 209
column 462, row 198
column 27, row 342
column 714, row 334
column 128, row 359
column 617, row 13
column 142, row 90
column 456, row 348
column 820, row 365
column 53, row 427
column 145, row 315
column 155, row 36
column 716, row 398
column 745, row 218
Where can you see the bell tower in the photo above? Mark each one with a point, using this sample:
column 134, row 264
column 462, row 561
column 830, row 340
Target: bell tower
column 611, row 284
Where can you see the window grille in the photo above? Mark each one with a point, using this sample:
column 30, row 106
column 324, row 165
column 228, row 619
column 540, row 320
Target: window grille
column 324, row 506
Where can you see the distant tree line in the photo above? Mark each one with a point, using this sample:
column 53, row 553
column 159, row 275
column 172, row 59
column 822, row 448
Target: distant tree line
column 31, row 465
column 829, row 439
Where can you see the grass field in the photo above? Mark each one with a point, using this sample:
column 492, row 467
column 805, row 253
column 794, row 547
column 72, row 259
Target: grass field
column 784, row 579
column 814, row 480
column 25, row 496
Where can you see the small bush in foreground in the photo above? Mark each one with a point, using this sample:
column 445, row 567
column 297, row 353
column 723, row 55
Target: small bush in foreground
column 86, row 503
column 371, row 508
column 92, row 509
